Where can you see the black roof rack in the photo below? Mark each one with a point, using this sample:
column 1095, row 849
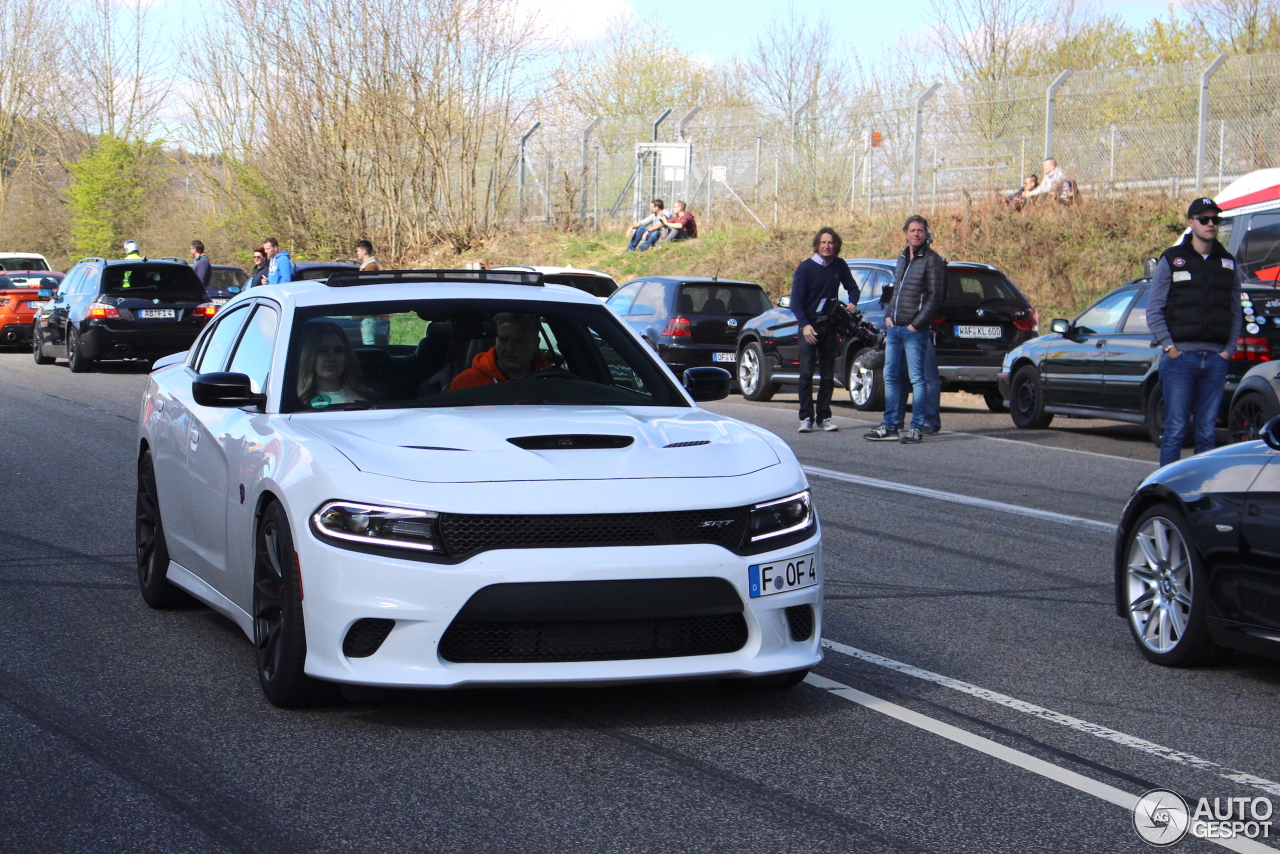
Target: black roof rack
column 388, row 277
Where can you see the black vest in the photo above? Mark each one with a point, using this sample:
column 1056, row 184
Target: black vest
column 1200, row 307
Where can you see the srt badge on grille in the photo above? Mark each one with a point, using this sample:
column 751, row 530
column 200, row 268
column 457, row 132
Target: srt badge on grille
column 715, row 523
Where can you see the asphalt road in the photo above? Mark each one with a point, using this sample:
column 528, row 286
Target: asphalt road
column 978, row 692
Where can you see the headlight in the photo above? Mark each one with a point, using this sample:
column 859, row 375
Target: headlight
column 780, row 517
column 371, row 525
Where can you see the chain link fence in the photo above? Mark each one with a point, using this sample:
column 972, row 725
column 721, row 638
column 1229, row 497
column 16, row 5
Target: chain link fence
column 1116, row 132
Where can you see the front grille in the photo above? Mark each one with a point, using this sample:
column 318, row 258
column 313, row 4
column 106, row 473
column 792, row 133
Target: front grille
column 800, row 621
column 467, row 534
column 571, row 442
column 365, row 636
column 592, row 640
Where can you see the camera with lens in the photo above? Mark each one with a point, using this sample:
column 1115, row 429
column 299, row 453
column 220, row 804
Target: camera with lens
column 833, row 316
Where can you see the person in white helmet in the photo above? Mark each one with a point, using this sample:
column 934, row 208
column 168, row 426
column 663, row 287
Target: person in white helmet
column 131, row 251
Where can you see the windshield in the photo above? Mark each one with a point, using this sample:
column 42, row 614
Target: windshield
column 435, row 353
column 173, row 281
column 719, row 300
column 50, row 281
column 23, row 264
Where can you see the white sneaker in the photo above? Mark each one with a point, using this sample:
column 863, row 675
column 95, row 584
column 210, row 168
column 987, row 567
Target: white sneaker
column 828, row 425
column 806, row 426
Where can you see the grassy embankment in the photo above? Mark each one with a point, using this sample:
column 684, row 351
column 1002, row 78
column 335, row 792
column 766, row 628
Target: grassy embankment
column 1061, row 258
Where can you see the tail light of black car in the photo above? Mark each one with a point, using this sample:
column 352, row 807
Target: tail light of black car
column 678, row 327
column 102, row 311
column 207, row 309
column 1250, row 348
column 1026, row 319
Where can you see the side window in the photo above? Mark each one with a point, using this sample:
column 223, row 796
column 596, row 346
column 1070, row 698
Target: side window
column 220, row 341
column 620, row 302
column 1104, row 316
column 69, row 283
column 1136, row 322
column 89, row 282
column 1261, row 249
column 865, row 278
column 253, row 353
column 649, row 301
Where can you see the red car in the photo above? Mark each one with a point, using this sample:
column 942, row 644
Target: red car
column 19, row 299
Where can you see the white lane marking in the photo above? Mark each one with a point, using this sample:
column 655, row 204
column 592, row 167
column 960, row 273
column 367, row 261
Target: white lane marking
column 1025, row 443
column 1079, row 782
column 956, row 498
column 1076, row 724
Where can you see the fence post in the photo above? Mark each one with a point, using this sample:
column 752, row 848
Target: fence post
column 586, row 165
column 915, row 150
column 1202, row 129
column 1048, row 112
column 1222, row 152
column 520, row 181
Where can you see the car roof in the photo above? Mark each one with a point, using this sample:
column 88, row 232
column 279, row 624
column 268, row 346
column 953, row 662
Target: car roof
column 22, row 255
column 554, row 271
column 964, row 265
column 31, row 273
column 694, row 280
column 316, row 293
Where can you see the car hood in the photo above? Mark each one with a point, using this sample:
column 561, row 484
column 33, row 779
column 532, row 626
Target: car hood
column 471, row 445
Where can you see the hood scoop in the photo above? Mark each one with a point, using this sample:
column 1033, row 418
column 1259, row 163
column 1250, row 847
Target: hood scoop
column 571, row 442
column 687, row 444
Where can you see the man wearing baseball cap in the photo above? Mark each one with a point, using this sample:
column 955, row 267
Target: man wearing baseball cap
column 1194, row 313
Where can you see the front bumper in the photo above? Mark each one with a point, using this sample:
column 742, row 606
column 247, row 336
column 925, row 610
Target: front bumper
column 342, row 587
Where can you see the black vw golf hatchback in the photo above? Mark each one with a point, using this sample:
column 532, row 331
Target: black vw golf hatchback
column 120, row 310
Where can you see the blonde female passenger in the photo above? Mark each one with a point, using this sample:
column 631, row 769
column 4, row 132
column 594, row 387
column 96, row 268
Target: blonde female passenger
column 328, row 370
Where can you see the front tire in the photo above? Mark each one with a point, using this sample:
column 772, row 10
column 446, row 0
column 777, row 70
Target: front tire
column 76, row 359
column 1166, row 593
column 152, row 551
column 865, row 381
column 280, row 637
column 37, row 347
column 1248, row 415
column 994, row 401
column 1026, row 400
column 755, row 377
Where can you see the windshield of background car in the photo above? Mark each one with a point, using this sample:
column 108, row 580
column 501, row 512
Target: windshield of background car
column 225, row 280
column 597, row 286
column 976, row 286
column 30, row 282
column 718, row 299
column 477, row 352
column 161, row 281
column 23, row 264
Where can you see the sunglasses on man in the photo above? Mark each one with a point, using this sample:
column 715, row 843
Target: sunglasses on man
column 1205, row 220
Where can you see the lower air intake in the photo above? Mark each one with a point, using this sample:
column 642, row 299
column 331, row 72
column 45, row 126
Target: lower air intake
column 800, row 621
column 365, row 636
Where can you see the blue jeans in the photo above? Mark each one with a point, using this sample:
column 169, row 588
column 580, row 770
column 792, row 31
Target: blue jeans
column 1192, row 386
column 636, row 238
column 932, row 403
column 901, row 344
column 650, row 238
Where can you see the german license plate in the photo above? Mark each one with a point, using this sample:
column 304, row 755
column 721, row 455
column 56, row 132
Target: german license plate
column 36, row 306
column 157, row 313
column 723, row 357
column 979, row 332
column 219, row 302
column 794, row 573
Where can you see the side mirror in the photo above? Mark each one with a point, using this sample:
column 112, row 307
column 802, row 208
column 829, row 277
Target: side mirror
column 706, row 384
column 235, row 289
column 1060, row 326
column 1268, row 433
column 45, row 293
column 225, row 390
column 784, row 301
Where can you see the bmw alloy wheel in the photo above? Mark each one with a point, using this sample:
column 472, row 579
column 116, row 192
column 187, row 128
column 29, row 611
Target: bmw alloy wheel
column 1160, row 585
column 749, row 371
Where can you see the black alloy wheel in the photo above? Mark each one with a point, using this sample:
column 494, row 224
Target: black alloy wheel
column 76, row 359
column 994, row 401
column 153, row 553
column 279, row 635
column 37, row 347
column 1026, row 400
column 1248, row 415
column 755, row 377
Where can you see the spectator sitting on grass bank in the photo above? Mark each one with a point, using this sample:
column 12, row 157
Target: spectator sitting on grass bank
column 640, row 228
column 680, row 226
column 1019, row 199
column 1055, row 184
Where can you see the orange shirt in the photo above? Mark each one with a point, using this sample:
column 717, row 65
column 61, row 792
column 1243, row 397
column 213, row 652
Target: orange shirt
column 484, row 370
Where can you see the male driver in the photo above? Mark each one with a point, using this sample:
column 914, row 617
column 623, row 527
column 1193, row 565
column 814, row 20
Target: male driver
column 280, row 269
column 1195, row 316
column 513, row 356
column 204, row 270
column 918, row 284
column 640, row 227
column 816, row 279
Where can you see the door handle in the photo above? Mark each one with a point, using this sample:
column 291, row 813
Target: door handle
column 1255, row 510
column 194, row 436
column 1100, row 344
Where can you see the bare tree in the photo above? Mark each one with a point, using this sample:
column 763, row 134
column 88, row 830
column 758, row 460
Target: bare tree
column 1239, row 26
column 27, row 53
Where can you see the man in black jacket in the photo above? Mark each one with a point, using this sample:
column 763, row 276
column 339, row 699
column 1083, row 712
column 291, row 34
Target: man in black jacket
column 917, row 292
column 816, row 279
column 1195, row 316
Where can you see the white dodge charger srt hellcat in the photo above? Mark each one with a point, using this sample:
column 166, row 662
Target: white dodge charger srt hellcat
column 509, row 488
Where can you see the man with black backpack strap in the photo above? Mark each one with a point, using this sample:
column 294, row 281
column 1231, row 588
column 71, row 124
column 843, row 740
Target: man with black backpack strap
column 817, row 279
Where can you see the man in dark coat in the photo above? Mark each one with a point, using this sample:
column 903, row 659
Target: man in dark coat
column 819, row 278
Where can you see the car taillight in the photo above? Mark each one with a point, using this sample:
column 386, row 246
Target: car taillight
column 206, row 310
column 1027, row 321
column 1251, row 348
column 102, row 311
column 938, row 321
column 679, row 327
column 4, row 300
